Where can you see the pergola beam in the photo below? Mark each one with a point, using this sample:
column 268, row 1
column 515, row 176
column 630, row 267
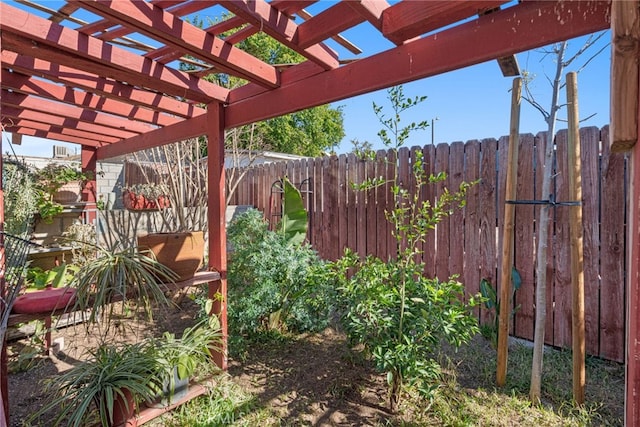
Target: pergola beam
column 532, row 25
column 327, row 24
column 84, row 135
column 34, row 36
column 98, row 85
column 279, row 26
column 185, row 129
column 407, row 20
column 172, row 31
column 117, row 124
column 53, row 135
column 29, row 85
column 13, row 113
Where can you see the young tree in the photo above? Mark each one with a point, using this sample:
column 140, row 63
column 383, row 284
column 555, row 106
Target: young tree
column 390, row 307
column 558, row 52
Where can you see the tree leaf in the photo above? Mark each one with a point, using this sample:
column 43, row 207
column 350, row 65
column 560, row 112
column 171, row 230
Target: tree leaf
column 294, row 219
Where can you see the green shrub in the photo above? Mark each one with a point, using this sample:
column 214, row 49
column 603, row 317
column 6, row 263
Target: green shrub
column 274, row 285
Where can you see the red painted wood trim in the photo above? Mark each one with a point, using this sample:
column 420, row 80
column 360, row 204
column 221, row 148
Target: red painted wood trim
column 120, row 127
column 278, row 25
column 181, row 35
column 371, row 10
column 185, row 129
column 62, row 130
column 53, row 122
column 93, row 55
column 529, row 25
column 216, row 219
column 29, row 85
column 324, row 25
column 52, row 135
column 96, row 84
column 408, row 19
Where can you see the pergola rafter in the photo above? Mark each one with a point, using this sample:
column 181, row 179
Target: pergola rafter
column 105, row 74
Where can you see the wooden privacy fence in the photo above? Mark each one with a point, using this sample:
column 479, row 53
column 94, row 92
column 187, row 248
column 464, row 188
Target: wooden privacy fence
column 467, row 243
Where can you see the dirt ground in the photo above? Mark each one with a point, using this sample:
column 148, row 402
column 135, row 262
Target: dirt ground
column 315, row 380
column 71, row 344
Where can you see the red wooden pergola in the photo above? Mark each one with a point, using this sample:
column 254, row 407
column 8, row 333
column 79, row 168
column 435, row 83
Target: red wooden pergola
column 103, row 74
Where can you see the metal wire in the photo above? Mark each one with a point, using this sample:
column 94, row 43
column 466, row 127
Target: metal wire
column 550, row 201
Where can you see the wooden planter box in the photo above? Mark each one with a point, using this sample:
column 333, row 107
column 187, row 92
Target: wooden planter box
column 181, row 252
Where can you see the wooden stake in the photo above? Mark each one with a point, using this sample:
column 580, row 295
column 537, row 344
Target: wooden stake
column 575, row 227
column 507, row 235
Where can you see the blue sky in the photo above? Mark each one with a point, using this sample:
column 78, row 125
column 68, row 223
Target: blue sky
column 475, row 102
column 471, row 103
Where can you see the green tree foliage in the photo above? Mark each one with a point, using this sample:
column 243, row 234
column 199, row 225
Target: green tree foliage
column 309, row 132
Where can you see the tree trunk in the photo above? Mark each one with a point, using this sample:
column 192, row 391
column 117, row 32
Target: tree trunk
column 543, row 236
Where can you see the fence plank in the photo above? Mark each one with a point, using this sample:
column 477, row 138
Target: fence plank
column 542, row 141
column 562, row 263
column 352, row 177
column 524, row 240
column 456, row 220
column 471, row 267
column 361, row 220
column 318, row 216
column 612, row 322
column 501, row 191
column 442, row 229
column 487, row 214
column 589, row 140
column 392, row 243
column 342, row 203
column 371, row 222
column 404, row 180
column 381, row 206
column 428, row 194
column 330, row 207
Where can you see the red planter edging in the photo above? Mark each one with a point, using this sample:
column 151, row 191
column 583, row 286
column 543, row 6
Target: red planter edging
column 138, row 202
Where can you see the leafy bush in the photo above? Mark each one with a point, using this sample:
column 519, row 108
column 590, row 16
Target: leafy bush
column 401, row 317
column 273, row 284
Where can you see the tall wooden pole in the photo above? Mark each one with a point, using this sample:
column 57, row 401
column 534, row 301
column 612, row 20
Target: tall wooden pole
column 507, row 235
column 575, row 231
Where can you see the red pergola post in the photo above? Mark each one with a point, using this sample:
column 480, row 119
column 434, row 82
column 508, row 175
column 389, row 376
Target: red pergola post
column 216, row 218
column 89, row 162
column 4, row 384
